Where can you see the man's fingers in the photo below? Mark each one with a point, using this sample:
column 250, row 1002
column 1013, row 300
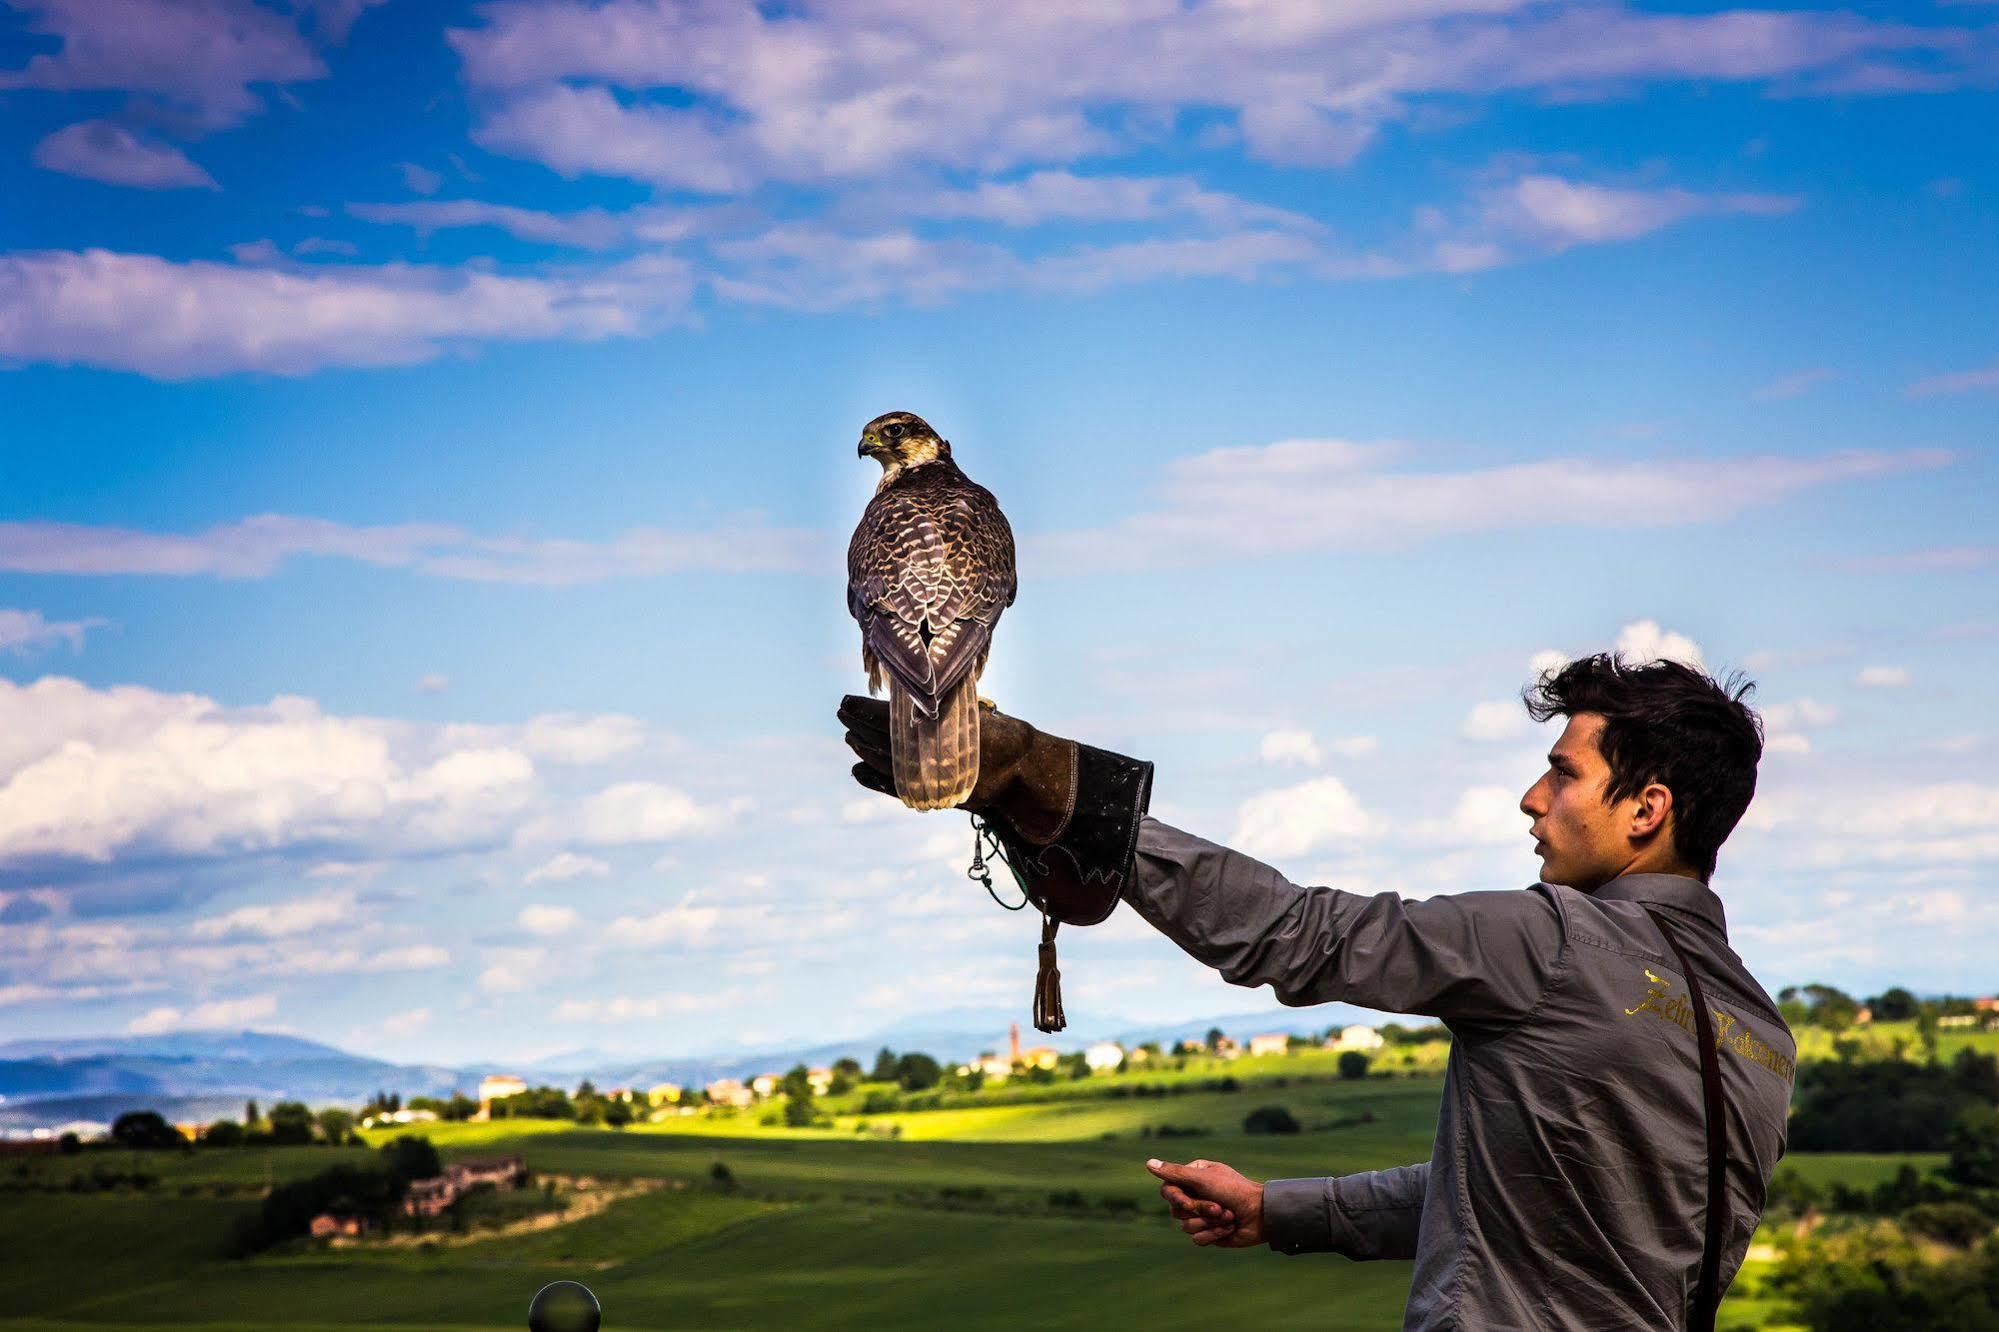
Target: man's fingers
column 868, row 750
column 1188, row 1175
column 864, row 714
column 1184, row 1205
column 874, row 778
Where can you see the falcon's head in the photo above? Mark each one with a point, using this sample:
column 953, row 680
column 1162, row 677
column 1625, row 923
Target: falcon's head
column 902, row 439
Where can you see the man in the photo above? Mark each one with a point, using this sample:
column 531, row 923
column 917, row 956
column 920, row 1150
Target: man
column 1570, row 1182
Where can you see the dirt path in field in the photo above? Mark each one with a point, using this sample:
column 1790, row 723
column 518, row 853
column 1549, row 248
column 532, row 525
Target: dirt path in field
column 586, row 1197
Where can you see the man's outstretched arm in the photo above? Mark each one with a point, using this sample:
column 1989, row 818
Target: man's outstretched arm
column 1372, row 1215
column 1466, row 957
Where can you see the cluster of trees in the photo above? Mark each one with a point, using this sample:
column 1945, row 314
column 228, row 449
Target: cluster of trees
column 372, row 1191
column 1834, row 1010
column 586, row 1106
column 1893, row 1105
column 290, row 1124
column 1930, row 1271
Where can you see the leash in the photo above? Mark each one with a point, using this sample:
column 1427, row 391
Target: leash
column 1047, row 977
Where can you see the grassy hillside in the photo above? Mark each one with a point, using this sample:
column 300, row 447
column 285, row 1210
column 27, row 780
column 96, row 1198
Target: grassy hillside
column 995, row 1215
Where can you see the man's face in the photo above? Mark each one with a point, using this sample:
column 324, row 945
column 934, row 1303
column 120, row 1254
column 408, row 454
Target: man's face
column 1581, row 840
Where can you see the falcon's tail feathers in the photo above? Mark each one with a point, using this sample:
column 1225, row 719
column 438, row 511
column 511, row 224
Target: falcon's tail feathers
column 936, row 758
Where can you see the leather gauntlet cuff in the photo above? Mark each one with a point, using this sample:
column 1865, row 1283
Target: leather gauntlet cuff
column 1078, row 876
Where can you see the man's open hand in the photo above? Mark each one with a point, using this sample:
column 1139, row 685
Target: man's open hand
column 1215, row 1204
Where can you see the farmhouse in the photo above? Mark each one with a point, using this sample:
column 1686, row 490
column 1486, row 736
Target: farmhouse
column 1269, row 1043
column 1356, row 1038
column 428, row 1197
column 1104, row 1057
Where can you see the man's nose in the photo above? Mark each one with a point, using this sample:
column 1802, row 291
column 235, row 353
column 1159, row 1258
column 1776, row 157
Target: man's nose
column 1531, row 805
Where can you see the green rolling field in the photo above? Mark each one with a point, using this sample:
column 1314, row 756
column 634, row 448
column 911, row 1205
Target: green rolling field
column 1035, row 1215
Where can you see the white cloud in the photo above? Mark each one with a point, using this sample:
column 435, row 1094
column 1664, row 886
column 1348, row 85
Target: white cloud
column 259, row 546
column 1794, row 385
column 577, row 738
column 1495, row 720
column 1293, row 820
column 1556, row 213
column 1643, row 641
column 1488, row 815
column 1548, row 659
column 1051, row 196
column 536, row 918
column 1290, row 746
column 92, row 775
column 1883, row 677
column 21, row 630
column 199, row 56
column 587, row 131
column 634, row 812
column 103, row 150
column 177, row 320
column 419, row 179
column 683, row 923
column 1315, row 494
column 871, row 809
column 406, row 1023
column 565, row 865
column 277, row 920
column 433, row 683
column 827, row 92
column 1799, row 713
column 1962, row 381
column 220, row 1013
column 590, row 229
column 511, row 970
column 634, row 1008
column 1355, row 746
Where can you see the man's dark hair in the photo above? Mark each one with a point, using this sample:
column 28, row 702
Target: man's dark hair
column 1669, row 723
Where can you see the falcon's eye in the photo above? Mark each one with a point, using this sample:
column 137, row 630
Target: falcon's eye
column 894, row 431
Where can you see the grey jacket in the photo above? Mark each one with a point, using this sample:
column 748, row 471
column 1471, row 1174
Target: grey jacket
column 1567, row 1186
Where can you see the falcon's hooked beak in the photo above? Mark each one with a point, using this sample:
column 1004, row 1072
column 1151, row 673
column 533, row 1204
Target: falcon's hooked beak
column 872, row 446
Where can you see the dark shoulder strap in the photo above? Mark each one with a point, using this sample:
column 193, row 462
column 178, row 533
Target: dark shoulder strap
column 1707, row 1292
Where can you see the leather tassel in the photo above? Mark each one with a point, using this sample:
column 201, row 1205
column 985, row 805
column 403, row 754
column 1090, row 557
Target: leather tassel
column 1048, row 983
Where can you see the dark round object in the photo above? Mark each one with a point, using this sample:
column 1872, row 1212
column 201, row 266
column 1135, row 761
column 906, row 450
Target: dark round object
column 564, row 1306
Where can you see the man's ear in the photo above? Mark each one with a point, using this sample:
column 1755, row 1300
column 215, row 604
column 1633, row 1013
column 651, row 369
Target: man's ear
column 1653, row 806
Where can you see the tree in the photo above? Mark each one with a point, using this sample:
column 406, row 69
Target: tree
column 336, row 1124
column 224, row 1133
column 798, row 1111
column 1353, row 1064
column 917, row 1072
column 1269, row 1119
column 1893, row 1005
column 249, row 1114
column 145, row 1130
column 411, row 1156
column 1214, row 1039
column 618, row 1113
column 1978, row 1074
column 850, row 1067
column 1974, row 1147
column 884, row 1066
column 291, row 1124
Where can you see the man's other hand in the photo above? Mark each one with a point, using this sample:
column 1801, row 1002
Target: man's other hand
column 1215, row 1204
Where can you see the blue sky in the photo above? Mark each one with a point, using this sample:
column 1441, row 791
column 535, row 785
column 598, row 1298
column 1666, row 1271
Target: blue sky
column 430, row 435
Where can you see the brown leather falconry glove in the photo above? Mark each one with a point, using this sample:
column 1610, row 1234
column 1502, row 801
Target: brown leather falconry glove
column 1066, row 814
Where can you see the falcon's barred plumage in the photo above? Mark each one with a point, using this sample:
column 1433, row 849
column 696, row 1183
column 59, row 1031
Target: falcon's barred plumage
column 929, row 570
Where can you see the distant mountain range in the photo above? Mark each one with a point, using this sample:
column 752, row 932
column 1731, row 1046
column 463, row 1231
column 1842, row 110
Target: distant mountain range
column 200, row 1075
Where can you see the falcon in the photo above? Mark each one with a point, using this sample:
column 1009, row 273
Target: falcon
column 929, row 570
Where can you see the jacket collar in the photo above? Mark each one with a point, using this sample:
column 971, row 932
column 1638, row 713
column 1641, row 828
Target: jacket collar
column 1675, row 892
